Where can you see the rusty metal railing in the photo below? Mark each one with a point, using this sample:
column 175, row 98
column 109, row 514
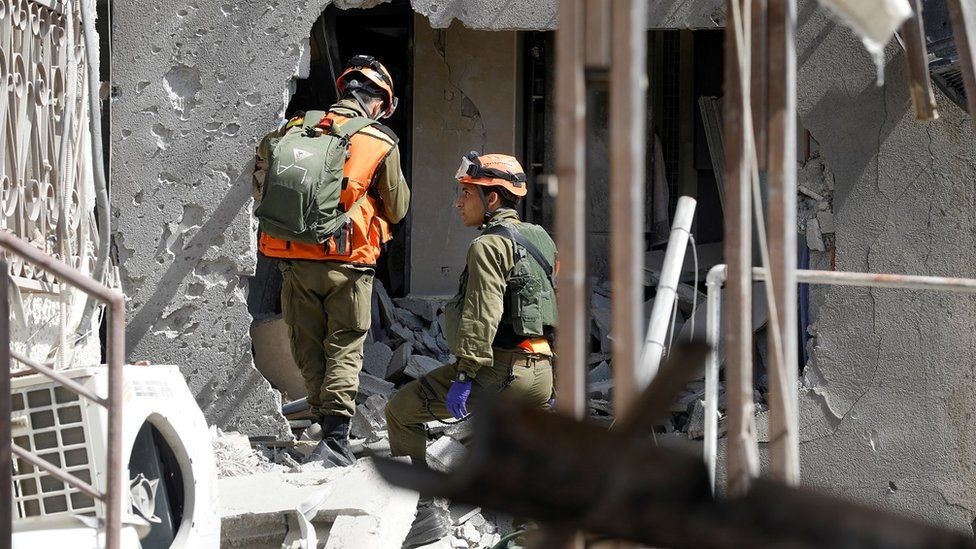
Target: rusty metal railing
column 111, row 498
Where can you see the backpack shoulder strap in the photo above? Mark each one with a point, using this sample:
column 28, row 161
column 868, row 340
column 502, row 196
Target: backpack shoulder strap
column 312, row 119
column 507, row 231
column 352, row 126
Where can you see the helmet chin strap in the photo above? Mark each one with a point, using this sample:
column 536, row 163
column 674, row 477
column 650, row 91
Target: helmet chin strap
column 484, row 202
column 362, row 104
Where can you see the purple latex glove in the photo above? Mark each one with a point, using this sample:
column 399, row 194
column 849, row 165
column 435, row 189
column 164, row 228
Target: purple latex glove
column 457, row 398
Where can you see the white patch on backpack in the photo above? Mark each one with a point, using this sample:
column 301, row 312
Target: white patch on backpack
column 282, row 169
column 301, row 155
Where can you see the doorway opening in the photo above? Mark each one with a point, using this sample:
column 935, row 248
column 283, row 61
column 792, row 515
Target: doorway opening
column 386, row 33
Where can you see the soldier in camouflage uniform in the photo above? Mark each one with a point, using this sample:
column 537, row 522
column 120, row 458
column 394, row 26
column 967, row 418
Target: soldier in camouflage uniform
column 499, row 324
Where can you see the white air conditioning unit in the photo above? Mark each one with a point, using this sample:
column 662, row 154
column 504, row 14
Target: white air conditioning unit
column 166, row 454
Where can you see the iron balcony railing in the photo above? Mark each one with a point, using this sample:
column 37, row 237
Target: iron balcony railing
column 111, row 497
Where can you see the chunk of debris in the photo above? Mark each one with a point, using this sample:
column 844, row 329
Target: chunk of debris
column 409, row 319
column 376, row 359
column 387, row 308
column 398, row 363
column 370, row 385
column 234, row 455
column 445, row 453
column 600, row 390
column 424, row 308
column 598, row 374
column 401, row 332
column 369, row 421
column 826, row 221
column 815, row 236
column 419, row 366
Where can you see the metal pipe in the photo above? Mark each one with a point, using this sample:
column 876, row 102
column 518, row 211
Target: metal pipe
column 917, row 65
column 713, row 285
column 115, row 351
column 65, row 381
column 57, row 473
column 571, row 209
column 716, row 278
column 98, row 169
column 6, row 465
column 784, row 425
column 667, row 286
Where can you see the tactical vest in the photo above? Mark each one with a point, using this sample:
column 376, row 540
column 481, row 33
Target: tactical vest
column 529, row 309
column 362, row 242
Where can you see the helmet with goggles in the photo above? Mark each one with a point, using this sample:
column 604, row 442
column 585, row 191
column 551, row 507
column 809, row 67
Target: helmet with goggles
column 375, row 74
column 492, row 170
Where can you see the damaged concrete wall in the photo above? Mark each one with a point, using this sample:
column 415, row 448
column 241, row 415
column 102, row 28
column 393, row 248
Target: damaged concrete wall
column 886, row 415
column 465, row 98
column 542, row 14
column 197, row 84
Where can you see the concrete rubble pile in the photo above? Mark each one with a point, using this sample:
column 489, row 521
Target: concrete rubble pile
column 689, row 321
column 815, row 210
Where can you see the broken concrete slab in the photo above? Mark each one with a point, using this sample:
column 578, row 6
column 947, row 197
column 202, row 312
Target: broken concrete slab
column 422, row 307
column 445, row 454
column 398, row 363
column 254, row 509
column 600, row 390
column 272, row 357
column 370, row 385
column 826, row 221
column 369, row 421
column 385, row 303
column 815, row 236
column 401, row 333
column 409, row 320
column 419, row 366
column 362, row 492
column 601, row 373
column 376, row 359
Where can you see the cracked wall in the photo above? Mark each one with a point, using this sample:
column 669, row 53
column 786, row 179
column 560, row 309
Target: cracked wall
column 886, row 408
column 465, row 98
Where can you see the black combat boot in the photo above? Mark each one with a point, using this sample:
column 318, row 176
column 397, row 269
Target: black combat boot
column 333, row 450
column 431, row 524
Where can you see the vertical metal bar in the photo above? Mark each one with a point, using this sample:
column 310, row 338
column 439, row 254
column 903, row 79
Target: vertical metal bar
column 784, row 458
column 628, row 135
column 757, row 66
column 917, row 65
column 571, row 209
column 742, row 459
column 6, row 465
column 115, row 357
column 570, row 123
column 713, row 284
column 963, row 16
column 596, row 34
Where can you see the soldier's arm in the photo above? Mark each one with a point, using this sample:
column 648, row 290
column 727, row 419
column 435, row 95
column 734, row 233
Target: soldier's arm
column 392, row 187
column 489, row 261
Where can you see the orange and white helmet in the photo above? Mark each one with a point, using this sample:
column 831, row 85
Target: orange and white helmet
column 377, row 74
column 492, row 170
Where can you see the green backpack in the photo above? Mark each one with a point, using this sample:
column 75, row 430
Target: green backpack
column 305, row 179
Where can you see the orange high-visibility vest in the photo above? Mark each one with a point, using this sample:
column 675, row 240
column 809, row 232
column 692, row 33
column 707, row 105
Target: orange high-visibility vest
column 368, row 149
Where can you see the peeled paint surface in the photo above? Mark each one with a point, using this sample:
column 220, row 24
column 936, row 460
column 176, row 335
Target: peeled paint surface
column 885, row 415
